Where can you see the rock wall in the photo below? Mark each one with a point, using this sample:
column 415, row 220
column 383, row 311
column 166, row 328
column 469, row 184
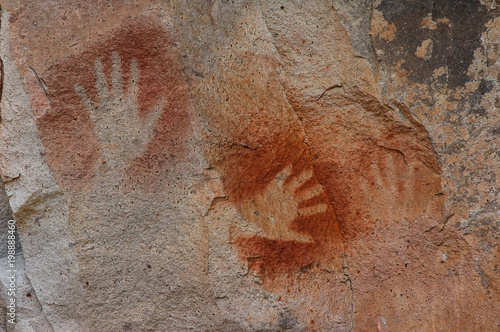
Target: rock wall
column 251, row 165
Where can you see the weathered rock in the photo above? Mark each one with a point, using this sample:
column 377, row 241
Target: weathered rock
column 253, row 166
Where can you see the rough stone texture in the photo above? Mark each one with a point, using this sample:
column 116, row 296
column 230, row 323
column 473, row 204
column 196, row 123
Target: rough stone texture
column 252, row 165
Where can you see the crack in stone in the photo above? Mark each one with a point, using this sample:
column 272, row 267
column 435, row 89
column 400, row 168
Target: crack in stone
column 40, row 313
column 344, row 256
column 399, row 152
column 41, row 82
column 336, row 86
column 216, row 200
column 344, row 267
column 372, row 36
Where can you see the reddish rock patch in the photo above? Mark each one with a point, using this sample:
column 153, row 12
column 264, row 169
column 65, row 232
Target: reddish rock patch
column 375, row 166
column 248, row 174
column 67, row 131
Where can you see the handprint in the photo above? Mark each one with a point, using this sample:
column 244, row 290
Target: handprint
column 123, row 134
column 286, row 198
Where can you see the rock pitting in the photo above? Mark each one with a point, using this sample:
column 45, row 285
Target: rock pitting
column 251, row 166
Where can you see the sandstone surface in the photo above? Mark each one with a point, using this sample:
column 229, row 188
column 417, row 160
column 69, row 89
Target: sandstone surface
column 251, row 165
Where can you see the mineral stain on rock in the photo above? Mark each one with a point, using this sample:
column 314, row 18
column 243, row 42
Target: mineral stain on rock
column 453, row 28
column 279, row 192
column 332, row 215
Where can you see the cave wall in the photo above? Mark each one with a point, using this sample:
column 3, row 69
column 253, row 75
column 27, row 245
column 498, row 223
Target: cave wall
column 252, row 165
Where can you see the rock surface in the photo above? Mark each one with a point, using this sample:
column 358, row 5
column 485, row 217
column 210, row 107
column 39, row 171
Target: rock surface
column 252, row 165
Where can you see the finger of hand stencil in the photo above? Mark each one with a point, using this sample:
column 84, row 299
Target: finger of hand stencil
column 133, row 86
column 309, row 193
column 314, row 209
column 283, row 174
column 116, row 80
column 293, row 236
column 375, row 173
column 101, row 84
column 80, row 91
column 409, row 189
column 302, row 178
column 153, row 116
column 365, row 186
column 391, row 176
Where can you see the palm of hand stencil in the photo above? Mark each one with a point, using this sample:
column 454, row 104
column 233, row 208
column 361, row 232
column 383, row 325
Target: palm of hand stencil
column 286, row 198
column 123, row 134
